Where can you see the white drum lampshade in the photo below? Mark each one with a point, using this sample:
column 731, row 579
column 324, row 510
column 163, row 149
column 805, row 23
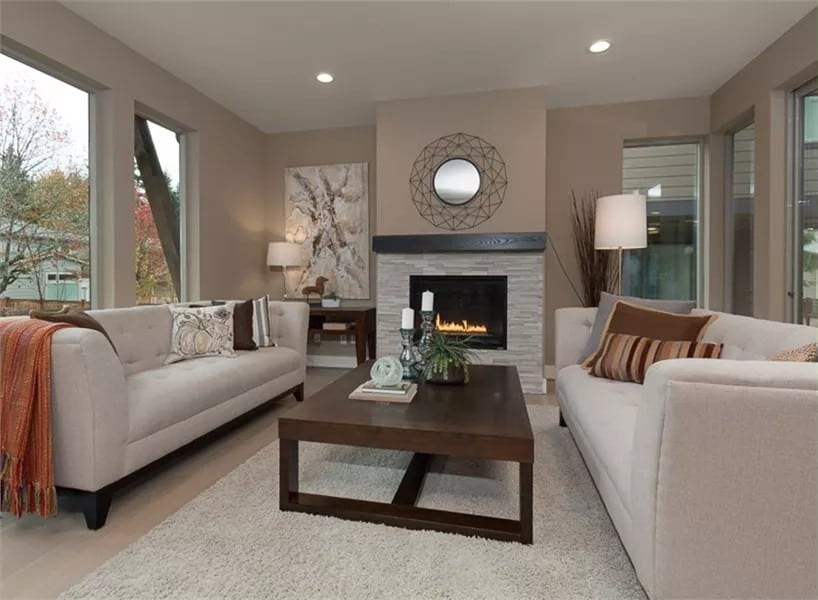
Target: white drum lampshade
column 621, row 222
column 283, row 254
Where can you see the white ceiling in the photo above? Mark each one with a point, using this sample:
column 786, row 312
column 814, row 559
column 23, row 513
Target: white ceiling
column 259, row 59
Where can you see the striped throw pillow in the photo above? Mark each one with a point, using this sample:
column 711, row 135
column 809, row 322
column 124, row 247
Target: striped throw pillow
column 627, row 357
column 262, row 335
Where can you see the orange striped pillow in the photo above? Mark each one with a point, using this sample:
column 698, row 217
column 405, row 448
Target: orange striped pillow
column 627, row 357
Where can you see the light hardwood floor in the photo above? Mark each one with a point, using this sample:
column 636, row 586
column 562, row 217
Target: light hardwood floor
column 40, row 558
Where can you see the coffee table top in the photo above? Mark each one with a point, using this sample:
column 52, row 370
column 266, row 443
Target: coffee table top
column 486, row 418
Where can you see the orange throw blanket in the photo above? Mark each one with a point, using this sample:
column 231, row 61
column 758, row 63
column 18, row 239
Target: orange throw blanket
column 26, row 462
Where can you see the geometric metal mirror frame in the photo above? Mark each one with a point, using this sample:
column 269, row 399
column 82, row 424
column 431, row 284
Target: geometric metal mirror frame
column 486, row 201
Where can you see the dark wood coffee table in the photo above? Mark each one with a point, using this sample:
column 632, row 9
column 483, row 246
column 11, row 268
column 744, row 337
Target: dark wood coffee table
column 485, row 419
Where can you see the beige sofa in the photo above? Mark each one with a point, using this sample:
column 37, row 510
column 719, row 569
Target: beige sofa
column 114, row 415
column 708, row 470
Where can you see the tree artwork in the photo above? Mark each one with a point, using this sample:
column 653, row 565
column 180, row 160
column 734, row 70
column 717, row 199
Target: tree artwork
column 43, row 207
column 327, row 212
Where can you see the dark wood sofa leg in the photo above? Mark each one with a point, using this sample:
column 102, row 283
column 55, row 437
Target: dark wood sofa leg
column 562, row 421
column 299, row 392
column 95, row 507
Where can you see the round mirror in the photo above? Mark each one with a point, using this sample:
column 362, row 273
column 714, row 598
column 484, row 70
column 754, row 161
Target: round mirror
column 456, row 181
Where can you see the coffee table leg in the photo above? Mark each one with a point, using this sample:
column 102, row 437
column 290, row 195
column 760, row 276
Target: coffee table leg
column 288, row 471
column 526, row 503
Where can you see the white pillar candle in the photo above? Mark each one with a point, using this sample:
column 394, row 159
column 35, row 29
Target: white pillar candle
column 428, row 301
column 407, row 319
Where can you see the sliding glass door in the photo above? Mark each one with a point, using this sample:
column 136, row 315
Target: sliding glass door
column 805, row 206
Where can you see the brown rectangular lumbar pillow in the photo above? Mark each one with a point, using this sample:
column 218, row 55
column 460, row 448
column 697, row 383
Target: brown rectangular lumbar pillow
column 243, row 326
column 77, row 318
column 627, row 357
column 654, row 324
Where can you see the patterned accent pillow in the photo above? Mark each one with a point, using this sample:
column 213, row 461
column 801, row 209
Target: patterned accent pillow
column 198, row 332
column 808, row 353
column 627, row 357
column 262, row 334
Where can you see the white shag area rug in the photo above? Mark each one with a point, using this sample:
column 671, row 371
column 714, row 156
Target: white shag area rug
column 233, row 542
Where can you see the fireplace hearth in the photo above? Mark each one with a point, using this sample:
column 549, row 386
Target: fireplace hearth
column 469, row 307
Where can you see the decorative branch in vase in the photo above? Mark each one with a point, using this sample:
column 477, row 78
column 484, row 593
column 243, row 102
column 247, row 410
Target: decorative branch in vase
column 597, row 268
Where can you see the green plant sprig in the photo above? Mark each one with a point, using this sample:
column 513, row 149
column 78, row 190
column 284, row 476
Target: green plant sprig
column 444, row 352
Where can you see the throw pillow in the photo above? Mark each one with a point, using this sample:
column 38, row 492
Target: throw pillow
column 243, row 326
column 654, row 324
column 808, row 353
column 201, row 332
column 606, row 305
column 262, row 335
column 77, row 318
column 627, row 357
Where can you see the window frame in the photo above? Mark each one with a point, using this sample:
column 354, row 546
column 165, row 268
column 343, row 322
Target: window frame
column 702, row 262
column 795, row 158
column 729, row 211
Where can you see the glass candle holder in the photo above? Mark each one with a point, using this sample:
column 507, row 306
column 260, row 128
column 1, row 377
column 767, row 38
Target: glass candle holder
column 408, row 354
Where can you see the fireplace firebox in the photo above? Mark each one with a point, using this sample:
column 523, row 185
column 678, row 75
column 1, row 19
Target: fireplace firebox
column 473, row 307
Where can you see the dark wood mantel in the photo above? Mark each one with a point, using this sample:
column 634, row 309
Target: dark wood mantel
column 460, row 242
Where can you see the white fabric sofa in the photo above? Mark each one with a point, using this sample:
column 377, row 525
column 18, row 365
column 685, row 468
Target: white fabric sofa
column 113, row 415
column 708, row 470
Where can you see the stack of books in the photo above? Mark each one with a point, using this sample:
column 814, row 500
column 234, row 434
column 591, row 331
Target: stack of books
column 333, row 326
column 369, row 390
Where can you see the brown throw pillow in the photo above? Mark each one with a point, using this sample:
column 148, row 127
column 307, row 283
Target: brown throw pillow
column 243, row 326
column 808, row 353
column 654, row 324
column 77, row 318
column 627, row 357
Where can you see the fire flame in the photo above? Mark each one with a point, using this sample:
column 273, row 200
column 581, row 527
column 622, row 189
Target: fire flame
column 462, row 327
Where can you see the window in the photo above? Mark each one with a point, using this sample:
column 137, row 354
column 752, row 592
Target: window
column 44, row 189
column 669, row 175
column 157, row 213
column 805, row 206
column 739, row 221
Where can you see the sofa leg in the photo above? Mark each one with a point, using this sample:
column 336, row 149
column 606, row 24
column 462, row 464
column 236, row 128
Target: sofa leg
column 95, row 507
column 299, row 392
column 562, row 421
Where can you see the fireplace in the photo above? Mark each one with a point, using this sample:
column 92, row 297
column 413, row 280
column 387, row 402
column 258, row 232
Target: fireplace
column 472, row 306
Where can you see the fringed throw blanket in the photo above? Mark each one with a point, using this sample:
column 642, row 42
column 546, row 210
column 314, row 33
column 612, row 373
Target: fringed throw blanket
column 26, row 463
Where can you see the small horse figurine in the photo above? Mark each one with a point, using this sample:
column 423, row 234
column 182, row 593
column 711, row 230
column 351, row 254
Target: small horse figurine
column 318, row 288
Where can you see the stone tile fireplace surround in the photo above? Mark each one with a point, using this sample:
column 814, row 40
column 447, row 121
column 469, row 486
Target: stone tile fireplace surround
column 524, row 268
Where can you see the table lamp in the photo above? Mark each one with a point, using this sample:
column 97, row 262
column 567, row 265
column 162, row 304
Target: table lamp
column 284, row 255
column 621, row 224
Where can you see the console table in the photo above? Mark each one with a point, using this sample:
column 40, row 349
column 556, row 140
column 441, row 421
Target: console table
column 364, row 331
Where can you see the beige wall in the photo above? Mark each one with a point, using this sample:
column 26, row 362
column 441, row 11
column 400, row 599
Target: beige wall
column 319, row 147
column 584, row 154
column 759, row 91
column 512, row 120
column 228, row 233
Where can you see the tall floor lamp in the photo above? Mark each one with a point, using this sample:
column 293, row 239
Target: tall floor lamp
column 621, row 224
column 284, row 255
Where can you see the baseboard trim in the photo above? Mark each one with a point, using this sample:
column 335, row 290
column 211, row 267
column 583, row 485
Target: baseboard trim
column 331, row 361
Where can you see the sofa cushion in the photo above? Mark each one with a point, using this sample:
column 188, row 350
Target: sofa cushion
column 161, row 397
column 606, row 412
column 141, row 335
column 746, row 338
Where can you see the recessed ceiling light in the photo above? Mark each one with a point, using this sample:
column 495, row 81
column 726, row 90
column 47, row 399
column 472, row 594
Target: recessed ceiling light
column 599, row 46
column 325, row 77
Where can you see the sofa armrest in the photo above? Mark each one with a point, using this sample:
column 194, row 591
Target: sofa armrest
column 89, row 410
column 290, row 322
column 723, row 480
column 572, row 326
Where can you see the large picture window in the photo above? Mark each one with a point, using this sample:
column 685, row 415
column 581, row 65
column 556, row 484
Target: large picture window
column 45, row 255
column 157, row 213
column 739, row 220
column 805, row 206
column 669, row 174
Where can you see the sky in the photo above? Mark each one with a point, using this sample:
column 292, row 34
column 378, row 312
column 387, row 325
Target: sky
column 72, row 105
